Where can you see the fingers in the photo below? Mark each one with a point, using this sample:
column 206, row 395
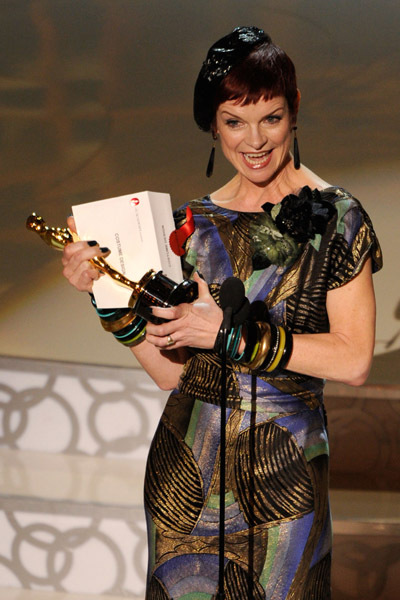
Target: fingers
column 167, row 342
column 177, row 312
column 167, row 335
column 77, row 269
column 163, row 336
column 162, row 330
column 193, row 324
column 71, row 224
column 173, row 312
column 203, row 285
column 182, row 310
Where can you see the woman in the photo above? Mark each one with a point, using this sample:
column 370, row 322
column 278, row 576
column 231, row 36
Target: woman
column 305, row 249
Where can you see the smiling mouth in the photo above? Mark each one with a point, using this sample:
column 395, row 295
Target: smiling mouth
column 257, row 159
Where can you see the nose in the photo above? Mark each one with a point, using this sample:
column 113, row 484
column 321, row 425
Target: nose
column 256, row 138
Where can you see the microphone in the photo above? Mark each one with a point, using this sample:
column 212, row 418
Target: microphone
column 233, row 302
column 259, row 311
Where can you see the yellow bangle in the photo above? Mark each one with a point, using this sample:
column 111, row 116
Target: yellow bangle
column 255, row 350
column 136, row 340
column 279, row 352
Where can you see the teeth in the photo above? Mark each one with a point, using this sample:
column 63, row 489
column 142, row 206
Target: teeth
column 256, row 158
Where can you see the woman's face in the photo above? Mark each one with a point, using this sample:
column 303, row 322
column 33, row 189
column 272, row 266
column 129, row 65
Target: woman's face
column 256, row 138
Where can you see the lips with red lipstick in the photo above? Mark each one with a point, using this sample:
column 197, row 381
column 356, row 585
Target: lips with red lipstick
column 257, row 160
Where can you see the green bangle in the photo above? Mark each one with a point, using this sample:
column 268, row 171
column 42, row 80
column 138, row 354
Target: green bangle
column 137, row 339
column 130, row 330
column 133, row 334
column 235, row 341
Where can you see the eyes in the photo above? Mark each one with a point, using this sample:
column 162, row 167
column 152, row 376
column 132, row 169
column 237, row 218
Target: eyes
column 232, row 123
column 237, row 123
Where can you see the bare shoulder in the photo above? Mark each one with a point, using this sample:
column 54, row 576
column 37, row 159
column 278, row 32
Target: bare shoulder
column 227, row 192
column 313, row 180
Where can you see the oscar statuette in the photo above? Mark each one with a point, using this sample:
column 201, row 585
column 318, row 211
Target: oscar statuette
column 153, row 289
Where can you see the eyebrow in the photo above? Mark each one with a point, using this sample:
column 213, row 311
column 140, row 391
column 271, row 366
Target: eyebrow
column 227, row 112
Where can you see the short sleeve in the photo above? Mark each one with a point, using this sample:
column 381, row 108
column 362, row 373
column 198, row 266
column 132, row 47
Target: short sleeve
column 354, row 240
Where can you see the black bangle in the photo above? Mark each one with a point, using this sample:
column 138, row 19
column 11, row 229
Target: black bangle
column 218, row 341
column 251, row 340
column 287, row 352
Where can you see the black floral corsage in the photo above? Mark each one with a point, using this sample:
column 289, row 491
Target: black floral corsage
column 285, row 227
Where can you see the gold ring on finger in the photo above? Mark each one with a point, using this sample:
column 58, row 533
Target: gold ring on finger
column 170, row 341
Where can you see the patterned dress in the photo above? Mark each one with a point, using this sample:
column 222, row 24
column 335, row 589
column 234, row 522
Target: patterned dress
column 278, row 524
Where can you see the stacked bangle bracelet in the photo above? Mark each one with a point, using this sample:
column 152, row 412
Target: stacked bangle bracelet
column 232, row 342
column 268, row 347
column 123, row 323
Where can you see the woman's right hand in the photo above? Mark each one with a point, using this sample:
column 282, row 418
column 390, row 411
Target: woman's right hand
column 76, row 256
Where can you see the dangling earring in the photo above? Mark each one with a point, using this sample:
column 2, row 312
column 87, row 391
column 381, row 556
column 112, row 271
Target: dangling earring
column 296, row 153
column 210, row 166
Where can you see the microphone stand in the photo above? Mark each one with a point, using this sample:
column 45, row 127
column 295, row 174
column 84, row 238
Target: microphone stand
column 226, row 326
column 235, row 307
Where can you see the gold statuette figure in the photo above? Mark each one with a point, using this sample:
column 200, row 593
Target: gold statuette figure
column 154, row 289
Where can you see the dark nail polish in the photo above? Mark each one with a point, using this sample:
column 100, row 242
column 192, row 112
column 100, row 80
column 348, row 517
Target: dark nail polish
column 104, row 250
column 92, row 243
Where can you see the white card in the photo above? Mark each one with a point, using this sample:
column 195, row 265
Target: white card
column 136, row 228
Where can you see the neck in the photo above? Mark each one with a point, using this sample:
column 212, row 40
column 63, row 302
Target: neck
column 241, row 194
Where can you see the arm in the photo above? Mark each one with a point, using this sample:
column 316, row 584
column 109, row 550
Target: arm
column 192, row 325
column 345, row 353
column 164, row 367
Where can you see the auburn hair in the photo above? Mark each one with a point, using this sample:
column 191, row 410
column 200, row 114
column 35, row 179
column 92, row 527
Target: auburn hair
column 265, row 73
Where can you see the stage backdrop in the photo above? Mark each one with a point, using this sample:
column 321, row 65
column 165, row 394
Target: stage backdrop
column 95, row 101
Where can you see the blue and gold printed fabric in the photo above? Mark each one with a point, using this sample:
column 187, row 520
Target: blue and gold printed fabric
column 278, row 524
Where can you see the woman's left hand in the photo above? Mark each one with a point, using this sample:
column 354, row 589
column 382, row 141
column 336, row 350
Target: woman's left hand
column 195, row 325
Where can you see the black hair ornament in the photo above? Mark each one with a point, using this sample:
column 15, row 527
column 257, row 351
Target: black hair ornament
column 225, row 54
